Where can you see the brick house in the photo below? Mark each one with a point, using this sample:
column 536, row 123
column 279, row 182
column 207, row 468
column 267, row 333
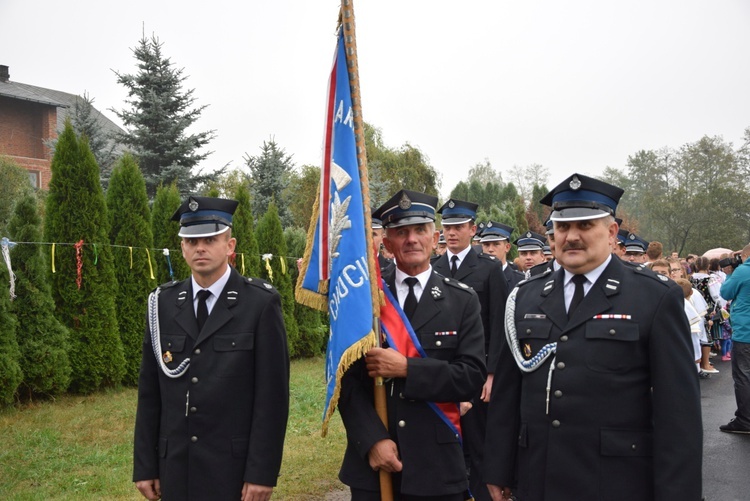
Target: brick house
column 30, row 117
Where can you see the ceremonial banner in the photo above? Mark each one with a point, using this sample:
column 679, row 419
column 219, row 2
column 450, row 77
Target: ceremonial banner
column 335, row 275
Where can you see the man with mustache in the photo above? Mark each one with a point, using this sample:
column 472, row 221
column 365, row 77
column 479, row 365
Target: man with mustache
column 596, row 393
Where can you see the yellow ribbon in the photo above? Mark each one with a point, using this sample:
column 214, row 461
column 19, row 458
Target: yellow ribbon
column 131, row 257
column 53, row 258
column 267, row 259
column 150, row 266
column 283, row 265
column 242, row 259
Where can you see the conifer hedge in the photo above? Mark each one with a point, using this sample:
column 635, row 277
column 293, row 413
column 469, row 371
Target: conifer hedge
column 165, row 232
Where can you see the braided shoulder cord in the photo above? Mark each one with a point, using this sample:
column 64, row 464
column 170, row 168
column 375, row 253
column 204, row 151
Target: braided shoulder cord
column 153, row 323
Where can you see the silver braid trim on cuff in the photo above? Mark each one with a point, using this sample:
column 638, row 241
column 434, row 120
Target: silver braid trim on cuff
column 153, row 323
column 512, row 337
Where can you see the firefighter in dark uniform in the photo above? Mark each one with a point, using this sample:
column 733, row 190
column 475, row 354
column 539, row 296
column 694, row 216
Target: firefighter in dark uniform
column 422, row 452
column 384, row 263
column 484, row 274
column 597, row 395
column 495, row 240
column 213, row 391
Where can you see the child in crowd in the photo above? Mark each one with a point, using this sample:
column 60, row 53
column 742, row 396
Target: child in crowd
column 696, row 318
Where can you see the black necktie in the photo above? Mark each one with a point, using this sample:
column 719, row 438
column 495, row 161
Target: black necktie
column 578, row 280
column 410, row 303
column 454, row 265
column 202, row 314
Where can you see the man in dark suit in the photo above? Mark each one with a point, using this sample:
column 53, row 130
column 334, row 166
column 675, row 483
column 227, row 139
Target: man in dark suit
column 213, row 392
column 418, row 447
column 484, row 274
column 599, row 396
column 531, row 251
column 495, row 240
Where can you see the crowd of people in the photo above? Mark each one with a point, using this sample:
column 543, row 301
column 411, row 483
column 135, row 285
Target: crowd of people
column 571, row 373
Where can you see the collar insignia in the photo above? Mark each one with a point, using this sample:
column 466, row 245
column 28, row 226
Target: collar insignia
column 436, row 292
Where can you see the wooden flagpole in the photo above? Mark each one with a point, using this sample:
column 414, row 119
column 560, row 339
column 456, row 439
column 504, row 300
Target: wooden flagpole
column 350, row 44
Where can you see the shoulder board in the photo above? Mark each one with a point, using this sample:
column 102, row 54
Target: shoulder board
column 645, row 272
column 167, row 285
column 487, row 256
column 545, row 274
column 455, row 283
column 260, row 283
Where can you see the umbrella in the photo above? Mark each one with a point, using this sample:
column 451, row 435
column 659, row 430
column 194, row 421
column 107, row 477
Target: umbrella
column 716, row 253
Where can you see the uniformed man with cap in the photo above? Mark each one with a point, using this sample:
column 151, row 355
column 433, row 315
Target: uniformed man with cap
column 619, row 247
column 441, row 245
column 213, row 391
column 635, row 249
column 599, row 396
column 419, row 448
column 484, row 274
column 495, row 240
column 531, row 250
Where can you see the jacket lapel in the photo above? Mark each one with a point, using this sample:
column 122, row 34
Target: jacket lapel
column 184, row 311
column 221, row 312
column 429, row 304
column 441, row 265
column 553, row 298
column 467, row 265
column 597, row 300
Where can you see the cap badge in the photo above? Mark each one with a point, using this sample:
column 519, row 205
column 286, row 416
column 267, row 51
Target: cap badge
column 451, row 204
column 489, row 224
column 631, row 236
column 405, row 202
column 193, row 205
column 528, row 234
column 575, row 183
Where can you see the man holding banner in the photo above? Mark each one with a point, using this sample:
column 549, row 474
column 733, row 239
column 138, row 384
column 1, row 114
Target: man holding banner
column 434, row 359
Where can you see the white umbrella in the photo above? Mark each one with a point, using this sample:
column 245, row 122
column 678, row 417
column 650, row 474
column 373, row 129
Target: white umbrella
column 716, row 253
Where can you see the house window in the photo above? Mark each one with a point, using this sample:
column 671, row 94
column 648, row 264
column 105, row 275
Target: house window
column 35, row 178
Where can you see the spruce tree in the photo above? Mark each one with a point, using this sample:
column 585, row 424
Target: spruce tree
column 83, row 285
column 86, row 122
column 269, row 175
column 165, row 232
column 130, row 234
column 271, row 241
column 242, row 230
column 42, row 338
column 160, row 114
column 10, row 368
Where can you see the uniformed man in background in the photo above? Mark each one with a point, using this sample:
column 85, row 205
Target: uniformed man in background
column 635, row 249
column 213, row 391
column 531, row 250
column 596, row 396
column 484, row 274
column 495, row 240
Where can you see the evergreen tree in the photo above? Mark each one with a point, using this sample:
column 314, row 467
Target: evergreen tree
column 165, row 232
column 271, row 241
column 86, row 122
column 84, row 295
column 42, row 339
column 130, row 234
column 269, row 176
column 159, row 116
column 312, row 328
column 10, row 368
column 15, row 185
column 242, row 230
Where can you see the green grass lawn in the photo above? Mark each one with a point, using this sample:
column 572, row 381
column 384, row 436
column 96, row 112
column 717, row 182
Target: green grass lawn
column 80, row 447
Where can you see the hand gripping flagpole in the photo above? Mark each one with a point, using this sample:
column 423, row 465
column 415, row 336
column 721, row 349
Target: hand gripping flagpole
column 350, row 42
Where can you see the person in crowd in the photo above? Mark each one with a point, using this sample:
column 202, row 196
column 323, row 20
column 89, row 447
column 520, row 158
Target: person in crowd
column 531, row 250
column 496, row 242
column 377, row 240
column 441, row 246
column 420, row 446
column 654, row 251
column 708, row 285
column 660, row 266
column 596, row 395
column 213, row 390
column 484, row 274
column 619, row 247
column 635, row 249
column 737, row 290
column 696, row 321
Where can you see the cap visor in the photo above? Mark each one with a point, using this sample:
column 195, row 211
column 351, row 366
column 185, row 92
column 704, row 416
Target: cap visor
column 201, row 230
column 577, row 214
column 455, row 220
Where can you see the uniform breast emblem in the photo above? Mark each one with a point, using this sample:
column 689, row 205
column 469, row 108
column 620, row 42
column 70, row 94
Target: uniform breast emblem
column 527, row 350
column 167, row 357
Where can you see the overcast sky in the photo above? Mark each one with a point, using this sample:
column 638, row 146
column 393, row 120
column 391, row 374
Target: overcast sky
column 574, row 85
